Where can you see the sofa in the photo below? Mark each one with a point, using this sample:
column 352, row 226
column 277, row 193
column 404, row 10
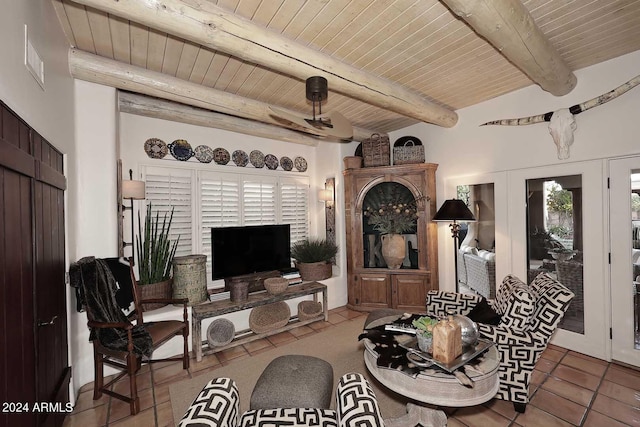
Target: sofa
column 528, row 317
column 477, row 270
column 218, row 405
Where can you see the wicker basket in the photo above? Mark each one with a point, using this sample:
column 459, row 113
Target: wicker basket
column 220, row 332
column 276, row 285
column 309, row 309
column 312, row 271
column 269, row 317
column 160, row 290
column 376, row 151
column 408, row 150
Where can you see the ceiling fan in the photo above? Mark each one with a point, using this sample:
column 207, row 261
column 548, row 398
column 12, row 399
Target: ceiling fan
column 331, row 124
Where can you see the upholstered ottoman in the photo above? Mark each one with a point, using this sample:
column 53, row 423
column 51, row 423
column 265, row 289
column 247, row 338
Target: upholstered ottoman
column 294, row 381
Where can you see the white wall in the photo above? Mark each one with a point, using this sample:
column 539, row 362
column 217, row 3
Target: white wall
column 609, row 130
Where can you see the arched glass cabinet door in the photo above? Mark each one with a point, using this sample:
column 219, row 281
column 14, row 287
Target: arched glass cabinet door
column 389, row 208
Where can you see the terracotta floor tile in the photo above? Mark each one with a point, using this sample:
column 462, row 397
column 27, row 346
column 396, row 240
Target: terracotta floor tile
column 352, row 314
column 225, row 356
column 538, row 377
column 617, row 410
column 452, row 422
column 481, row 416
column 143, row 381
column 596, row 419
column 560, row 349
column 503, row 407
column 568, row 390
column 319, row 326
column 172, row 372
column 576, row 376
column 161, row 393
column 281, row 338
column 256, row 345
column 120, row 409
column 85, row 401
column 93, row 417
column 206, row 362
column 535, row 417
column 546, row 365
column 164, row 413
column 553, row 354
column 621, row 393
column 589, row 358
column 301, row 331
column 336, row 318
column 145, row 418
column 86, row 387
column 623, row 377
column 558, row 406
column 587, row 365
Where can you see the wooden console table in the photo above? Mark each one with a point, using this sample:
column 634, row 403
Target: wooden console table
column 218, row 308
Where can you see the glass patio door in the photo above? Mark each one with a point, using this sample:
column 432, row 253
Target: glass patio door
column 624, row 206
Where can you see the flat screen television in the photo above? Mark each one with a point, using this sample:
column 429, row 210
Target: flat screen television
column 237, row 251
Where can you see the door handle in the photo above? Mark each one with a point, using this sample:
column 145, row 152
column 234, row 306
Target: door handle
column 50, row 322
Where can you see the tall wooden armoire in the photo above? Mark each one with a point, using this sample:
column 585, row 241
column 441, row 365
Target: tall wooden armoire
column 371, row 284
column 34, row 365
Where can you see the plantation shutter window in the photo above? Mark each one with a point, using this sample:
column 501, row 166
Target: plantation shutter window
column 259, row 201
column 294, row 196
column 168, row 189
column 219, row 207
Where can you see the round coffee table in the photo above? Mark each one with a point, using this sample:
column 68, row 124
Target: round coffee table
column 439, row 388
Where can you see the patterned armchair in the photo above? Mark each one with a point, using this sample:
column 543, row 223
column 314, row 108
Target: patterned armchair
column 218, row 402
column 529, row 317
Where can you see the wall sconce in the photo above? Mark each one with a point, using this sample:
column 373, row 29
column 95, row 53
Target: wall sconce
column 328, row 196
column 132, row 190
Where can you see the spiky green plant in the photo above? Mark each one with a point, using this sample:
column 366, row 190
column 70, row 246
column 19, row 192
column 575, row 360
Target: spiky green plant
column 313, row 250
column 155, row 250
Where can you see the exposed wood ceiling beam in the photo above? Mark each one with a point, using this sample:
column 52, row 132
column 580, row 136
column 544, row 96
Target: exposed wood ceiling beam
column 204, row 23
column 97, row 69
column 509, row 27
column 168, row 110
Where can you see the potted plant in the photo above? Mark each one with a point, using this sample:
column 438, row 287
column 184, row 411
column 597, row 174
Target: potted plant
column 155, row 257
column 561, row 254
column 313, row 258
column 424, row 332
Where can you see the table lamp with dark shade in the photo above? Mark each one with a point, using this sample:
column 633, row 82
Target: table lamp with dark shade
column 454, row 210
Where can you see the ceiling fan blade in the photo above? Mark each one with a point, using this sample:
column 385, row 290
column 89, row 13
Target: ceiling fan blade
column 340, row 127
column 298, row 121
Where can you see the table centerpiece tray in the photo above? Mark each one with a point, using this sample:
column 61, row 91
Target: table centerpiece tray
column 469, row 353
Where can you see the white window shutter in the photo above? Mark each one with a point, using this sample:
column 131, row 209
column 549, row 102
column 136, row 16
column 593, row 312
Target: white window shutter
column 294, row 196
column 219, row 207
column 168, row 189
column 259, row 201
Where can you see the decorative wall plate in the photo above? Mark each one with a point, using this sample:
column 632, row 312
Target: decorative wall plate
column 300, row 163
column 181, row 150
column 240, row 158
column 256, row 158
column 286, row 163
column 204, row 153
column 221, row 156
column 155, row 148
column 271, row 161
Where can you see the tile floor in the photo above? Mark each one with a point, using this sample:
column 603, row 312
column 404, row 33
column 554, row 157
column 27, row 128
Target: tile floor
column 568, row 389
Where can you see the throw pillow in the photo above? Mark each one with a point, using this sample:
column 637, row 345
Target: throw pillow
column 483, row 313
column 519, row 308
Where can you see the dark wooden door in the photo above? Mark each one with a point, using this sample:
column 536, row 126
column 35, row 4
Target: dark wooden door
column 34, row 367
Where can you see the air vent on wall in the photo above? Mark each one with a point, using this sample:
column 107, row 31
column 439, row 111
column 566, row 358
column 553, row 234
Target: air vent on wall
column 32, row 60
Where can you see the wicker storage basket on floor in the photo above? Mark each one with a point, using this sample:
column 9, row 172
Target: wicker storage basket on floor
column 309, row 309
column 220, row 332
column 269, row 317
column 276, row 285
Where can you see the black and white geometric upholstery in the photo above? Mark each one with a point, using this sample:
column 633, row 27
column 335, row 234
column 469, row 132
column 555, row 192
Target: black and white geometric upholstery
column 217, row 406
column 356, row 402
column 529, row 317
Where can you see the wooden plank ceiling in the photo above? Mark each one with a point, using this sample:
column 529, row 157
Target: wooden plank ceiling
column 419, row 44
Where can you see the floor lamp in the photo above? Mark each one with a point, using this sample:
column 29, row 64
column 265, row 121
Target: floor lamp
column 132, row 190
column 453, row 210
